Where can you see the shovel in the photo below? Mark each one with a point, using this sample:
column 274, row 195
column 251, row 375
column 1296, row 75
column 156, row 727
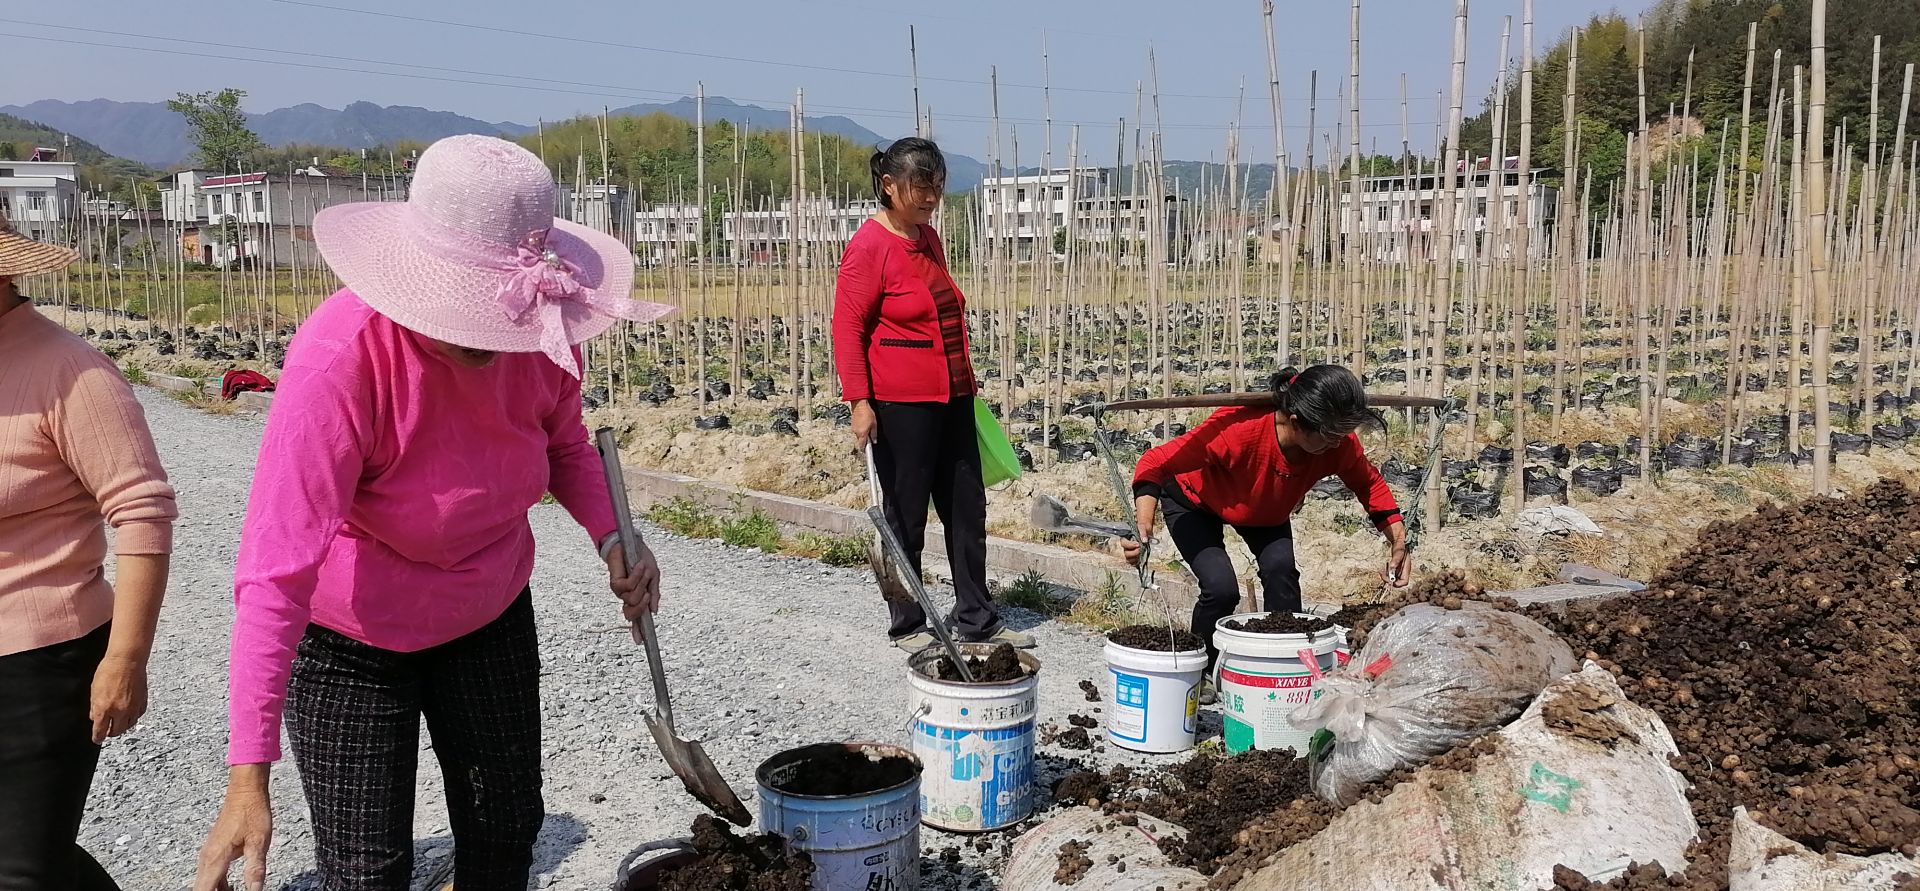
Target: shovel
column 687, row 759
column 1050, row 514
column 903, row 571
column 892, row 589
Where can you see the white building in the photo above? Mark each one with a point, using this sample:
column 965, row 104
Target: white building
column 42, row 196
column 1391, row 206
column 817, row 220
column 180, row 198
column 666, row 231
column 596, row 206
column 1029, row 209
column 269, row 216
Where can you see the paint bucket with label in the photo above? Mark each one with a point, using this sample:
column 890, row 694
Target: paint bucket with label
column 1155, row 697
column 976, row 741
column 853, row 807
column 1262, row 678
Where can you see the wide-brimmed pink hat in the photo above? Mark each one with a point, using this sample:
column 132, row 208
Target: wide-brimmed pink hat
column 475, row 256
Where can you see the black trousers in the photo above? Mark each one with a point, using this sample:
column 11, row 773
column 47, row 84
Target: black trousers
column 1201, row 538
column 47, row 757
column 929, row 450
column 353, row 715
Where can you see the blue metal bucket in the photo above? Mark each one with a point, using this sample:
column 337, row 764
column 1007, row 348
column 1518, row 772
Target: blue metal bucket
column 859, row 839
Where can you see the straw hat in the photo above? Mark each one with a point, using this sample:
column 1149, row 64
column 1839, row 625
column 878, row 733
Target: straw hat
column 475, row 257
column 21, row 256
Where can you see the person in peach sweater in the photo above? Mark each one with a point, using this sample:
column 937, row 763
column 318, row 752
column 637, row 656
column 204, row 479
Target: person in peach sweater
column 75, row 458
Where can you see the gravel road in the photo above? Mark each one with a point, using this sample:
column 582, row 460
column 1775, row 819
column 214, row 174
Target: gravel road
column 764, row 653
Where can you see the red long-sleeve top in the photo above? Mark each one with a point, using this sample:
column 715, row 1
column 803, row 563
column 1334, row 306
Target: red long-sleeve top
column 1232, row 466
column 899, row 321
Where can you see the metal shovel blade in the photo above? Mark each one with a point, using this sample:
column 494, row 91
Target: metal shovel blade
column 689, row 762
column 686, row 758
column 1050, row 514
column 893, row 589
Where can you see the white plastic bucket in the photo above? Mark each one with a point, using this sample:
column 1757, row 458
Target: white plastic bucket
column 1262, row 678
column 976, row 741
column 1154, row 698
column 857, row 841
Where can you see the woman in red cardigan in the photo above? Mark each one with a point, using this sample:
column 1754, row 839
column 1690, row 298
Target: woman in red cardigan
column 900, row 347
column 1249, row 468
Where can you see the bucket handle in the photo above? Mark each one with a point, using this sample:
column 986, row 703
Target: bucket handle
column 925, row 709
column 1311, row 660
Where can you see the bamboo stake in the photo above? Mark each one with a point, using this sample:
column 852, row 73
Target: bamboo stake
column 1817, row 253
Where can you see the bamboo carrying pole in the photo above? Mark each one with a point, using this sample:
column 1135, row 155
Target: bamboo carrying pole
column 1817, row 253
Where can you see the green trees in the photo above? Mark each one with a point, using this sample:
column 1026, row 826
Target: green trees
column 221, row 138
column 658, row 151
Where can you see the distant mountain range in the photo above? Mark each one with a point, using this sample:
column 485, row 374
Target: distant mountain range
column 149, row 133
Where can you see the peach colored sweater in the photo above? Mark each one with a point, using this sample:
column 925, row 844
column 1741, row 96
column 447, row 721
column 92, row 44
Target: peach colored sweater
column 74, row 450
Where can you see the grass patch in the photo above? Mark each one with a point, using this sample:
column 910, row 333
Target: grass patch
column 134, row 373
column 833, row 550
column 1031, row 591
column 1111, row 606
column 755, row 530
column 686, row 517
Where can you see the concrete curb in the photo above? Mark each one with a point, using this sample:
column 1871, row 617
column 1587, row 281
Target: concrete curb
column 174, row 383
column 1064, row 567
column 253, row 401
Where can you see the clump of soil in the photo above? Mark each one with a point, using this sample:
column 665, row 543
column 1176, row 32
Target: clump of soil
column 1082, row 787
column 1214, row 798
column 831, row 769
column 1780, row 652
column 1155, row 638
column 1086, row 721
column 1449, row 590
column 1074, row 862
column 1075, row 738
column 1091, row 690
column 1281, row 623
column 729, row 862
column 999, row 666
column 1306, row 815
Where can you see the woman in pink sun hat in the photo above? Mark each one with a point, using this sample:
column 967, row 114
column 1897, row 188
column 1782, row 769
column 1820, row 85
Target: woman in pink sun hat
column 385, row 557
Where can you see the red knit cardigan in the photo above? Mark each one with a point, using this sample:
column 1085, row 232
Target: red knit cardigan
column 887, row 343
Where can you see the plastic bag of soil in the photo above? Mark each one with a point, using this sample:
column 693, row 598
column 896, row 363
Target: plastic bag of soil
column 1765, row 860
column 1581, row 779
column 1428, row 679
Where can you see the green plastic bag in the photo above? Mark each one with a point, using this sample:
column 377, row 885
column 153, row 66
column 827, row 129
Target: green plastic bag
column 997, row 461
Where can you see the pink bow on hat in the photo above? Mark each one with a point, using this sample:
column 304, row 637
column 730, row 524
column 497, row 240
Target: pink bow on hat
column 541, row 280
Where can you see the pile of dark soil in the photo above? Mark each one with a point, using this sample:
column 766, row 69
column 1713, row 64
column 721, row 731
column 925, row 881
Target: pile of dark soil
column 832, row 769
column 1780, row 652
column 1281, row 623
column 729, row 862
column 1450, row 590
column 1001, row 665
column 1087, row 721
column 1083, row 787
column 1091, row 690
column 1074, row 862
column 1214, row 798
column 1074, row 738
column 1156, row 638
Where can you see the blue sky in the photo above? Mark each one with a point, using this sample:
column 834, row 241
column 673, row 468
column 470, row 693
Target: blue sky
column 850, row 56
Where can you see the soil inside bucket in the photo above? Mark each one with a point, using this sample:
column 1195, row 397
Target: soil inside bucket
column 729, row 862
column 834, row 770
column 1157, row 639
column 999, row 666
column 1281, row 623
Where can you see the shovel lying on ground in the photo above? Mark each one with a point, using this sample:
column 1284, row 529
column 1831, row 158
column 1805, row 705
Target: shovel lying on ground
column 896, row 556
column 687, row 759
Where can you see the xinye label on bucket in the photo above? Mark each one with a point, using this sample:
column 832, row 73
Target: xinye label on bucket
column 1129, row 718
column 1256, row 707
column 975, row 778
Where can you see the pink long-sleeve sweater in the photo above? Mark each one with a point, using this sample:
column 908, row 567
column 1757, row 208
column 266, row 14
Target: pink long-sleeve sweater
column 75, row 457
column 390, row 499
